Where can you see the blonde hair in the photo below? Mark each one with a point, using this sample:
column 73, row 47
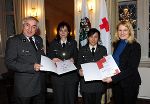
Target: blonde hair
column 29, row 18
column 131, row 37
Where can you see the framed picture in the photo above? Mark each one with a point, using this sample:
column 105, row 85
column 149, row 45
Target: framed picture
column 128, row 12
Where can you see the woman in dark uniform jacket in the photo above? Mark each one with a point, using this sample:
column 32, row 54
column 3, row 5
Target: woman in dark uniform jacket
column 65, row 86
column 91, row 91
column 127, row 54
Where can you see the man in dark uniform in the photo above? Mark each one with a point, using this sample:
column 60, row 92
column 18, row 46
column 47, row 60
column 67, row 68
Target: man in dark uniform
column 23, row 54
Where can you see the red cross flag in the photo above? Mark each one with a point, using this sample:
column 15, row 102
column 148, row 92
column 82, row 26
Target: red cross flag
column 104, row 27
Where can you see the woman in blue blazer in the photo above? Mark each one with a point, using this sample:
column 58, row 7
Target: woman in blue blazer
column 127, row 54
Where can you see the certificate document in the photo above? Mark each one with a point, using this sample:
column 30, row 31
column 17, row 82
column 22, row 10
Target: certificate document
column 58, row 68
column 105, row 67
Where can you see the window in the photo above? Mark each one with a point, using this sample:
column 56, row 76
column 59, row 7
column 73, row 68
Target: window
column 128, row 12
column 7, row 26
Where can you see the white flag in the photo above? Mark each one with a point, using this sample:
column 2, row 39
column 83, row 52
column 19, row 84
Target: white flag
column 84, row 9
column 85, row 24
column 104, row 27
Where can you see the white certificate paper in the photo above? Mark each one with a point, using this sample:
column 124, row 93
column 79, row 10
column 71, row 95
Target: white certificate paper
column 58, row 68
column 105, row 67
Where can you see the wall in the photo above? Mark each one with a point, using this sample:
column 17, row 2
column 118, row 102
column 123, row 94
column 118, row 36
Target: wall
column 55, row 13
column 144, row 91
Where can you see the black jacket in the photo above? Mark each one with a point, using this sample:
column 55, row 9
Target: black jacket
column 85, row 56
column 56, row 51
column 128, row 64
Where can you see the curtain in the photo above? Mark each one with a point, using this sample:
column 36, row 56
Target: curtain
column 20, row 7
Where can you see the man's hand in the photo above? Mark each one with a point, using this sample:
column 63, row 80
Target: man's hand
column 37, row 67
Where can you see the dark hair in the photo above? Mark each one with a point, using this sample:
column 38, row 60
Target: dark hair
column 62, row 25
column 91, row 32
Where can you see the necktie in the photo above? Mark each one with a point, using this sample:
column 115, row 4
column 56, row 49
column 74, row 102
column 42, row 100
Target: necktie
column 93, row 51
column 63, row 45
column 32, row 42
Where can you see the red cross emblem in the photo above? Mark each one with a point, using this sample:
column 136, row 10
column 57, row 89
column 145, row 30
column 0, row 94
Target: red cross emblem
column 100, row 63
column 104, row 25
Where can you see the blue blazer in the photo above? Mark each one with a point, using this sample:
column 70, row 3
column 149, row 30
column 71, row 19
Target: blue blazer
column 128, row 64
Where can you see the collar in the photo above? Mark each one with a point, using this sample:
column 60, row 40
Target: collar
column 32, row 38
column 63, row 41
column 90, row 46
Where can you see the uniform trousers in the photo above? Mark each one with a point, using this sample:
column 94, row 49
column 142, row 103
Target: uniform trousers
column 37, row 99
column 65, row 93
column 91, row 98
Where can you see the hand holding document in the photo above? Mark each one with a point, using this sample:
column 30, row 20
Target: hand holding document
column 58, row 68
column 105, row 67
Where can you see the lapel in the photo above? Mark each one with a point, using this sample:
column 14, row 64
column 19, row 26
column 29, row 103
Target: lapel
column 88, row 55
column 88, row 50
column 26, row 44
column 38, row 44
column 59, row 44
column 24, row 41
column 68, row 44
column 97, row 49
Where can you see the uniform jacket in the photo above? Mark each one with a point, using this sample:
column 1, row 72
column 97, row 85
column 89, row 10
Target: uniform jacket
column 56, row 51
column 128, row 64
column 85, row 56
column 20, row 57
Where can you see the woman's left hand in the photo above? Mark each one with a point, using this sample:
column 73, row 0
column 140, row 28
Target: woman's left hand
column 107, row 80
column 72, row 60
